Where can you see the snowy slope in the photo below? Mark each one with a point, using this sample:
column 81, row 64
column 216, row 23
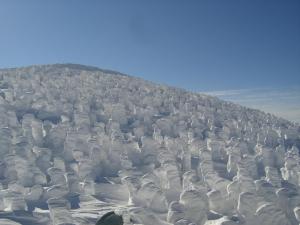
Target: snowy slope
column 77, row 142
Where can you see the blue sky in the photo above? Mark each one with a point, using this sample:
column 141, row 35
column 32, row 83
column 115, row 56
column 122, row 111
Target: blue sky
column 200, row 45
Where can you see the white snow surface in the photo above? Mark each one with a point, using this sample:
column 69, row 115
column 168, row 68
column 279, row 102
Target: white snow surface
column 77, row 142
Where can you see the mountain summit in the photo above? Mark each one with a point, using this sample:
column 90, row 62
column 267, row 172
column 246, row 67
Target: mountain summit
column 77, row 142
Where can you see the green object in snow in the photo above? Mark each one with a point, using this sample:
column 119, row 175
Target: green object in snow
column 110, row 218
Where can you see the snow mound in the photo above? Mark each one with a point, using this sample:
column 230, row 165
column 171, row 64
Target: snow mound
column 77, row 142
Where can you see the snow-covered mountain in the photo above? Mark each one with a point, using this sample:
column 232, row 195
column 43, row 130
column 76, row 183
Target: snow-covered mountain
column 77, row 142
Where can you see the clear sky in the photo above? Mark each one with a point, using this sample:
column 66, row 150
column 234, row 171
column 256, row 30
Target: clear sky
column 200, row 45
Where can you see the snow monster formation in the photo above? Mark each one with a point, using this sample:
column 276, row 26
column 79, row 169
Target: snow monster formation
column 77, row 142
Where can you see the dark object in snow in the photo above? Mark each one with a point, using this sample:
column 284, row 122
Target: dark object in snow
column 110, row 218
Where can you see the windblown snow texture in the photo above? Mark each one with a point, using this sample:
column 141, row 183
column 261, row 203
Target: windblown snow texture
column 77, row 142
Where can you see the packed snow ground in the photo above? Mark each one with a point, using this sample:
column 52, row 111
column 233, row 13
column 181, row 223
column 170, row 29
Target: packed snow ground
column 77, row 142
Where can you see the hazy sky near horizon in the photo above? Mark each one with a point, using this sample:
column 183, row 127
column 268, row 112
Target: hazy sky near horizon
column 283, row 102
column 205, row 45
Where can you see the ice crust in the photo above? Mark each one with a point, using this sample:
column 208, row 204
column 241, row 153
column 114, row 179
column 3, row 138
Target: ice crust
column 77, row 142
